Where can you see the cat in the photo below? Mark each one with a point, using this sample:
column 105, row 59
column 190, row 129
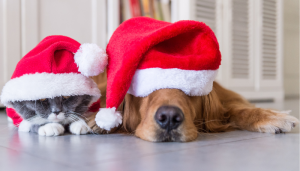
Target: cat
column 52, row 116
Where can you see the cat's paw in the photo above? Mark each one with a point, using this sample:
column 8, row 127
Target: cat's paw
column 24, row 126
column 79, row 127
column 51, row 129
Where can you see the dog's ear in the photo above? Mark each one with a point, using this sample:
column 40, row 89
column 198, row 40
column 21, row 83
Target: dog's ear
column 131, row 115
column 101, row 81
column 213, row 114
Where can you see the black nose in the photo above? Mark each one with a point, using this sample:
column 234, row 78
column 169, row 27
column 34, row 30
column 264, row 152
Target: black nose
column 169, row 117
column 56, row 112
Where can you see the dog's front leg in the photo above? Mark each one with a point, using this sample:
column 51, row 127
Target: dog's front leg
column 261, row 120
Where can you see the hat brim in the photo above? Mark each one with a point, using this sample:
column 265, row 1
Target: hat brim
column 191, row 82
column 48, row 85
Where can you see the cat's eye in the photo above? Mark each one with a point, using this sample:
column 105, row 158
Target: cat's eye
column 66, row 97
column 42, row 100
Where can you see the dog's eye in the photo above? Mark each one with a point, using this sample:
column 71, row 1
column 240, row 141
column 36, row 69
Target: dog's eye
column 42, row 100
column 66, row 97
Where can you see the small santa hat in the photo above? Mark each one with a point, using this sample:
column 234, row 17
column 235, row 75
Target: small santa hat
column 146, row 55
column 57, row 66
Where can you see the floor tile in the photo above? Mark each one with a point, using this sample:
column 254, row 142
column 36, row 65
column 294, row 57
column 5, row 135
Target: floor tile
column 11, row 160
column 276, row 153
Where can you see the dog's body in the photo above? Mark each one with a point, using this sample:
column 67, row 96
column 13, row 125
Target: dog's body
column 171, row 115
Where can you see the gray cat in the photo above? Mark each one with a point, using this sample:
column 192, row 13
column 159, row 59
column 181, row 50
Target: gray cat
column 52, row 116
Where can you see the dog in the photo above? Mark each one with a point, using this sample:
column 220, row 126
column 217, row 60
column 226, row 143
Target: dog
column 171, row 115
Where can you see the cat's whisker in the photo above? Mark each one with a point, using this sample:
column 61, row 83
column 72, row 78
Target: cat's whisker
column 23, row 106
column 71, row 117
column 74, row 116
column 79, row 115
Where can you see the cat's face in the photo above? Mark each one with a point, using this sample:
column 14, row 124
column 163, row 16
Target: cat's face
column 61, row 109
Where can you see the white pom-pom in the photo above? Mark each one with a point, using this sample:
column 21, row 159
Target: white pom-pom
column 90, row 59
column 108, row 118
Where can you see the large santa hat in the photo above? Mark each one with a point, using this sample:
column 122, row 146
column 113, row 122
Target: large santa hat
column 145, row 55
column 57, row 66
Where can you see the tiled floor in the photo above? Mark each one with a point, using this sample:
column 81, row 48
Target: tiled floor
column 237, row 150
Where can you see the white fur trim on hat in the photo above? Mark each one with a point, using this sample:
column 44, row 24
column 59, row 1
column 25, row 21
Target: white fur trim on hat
column 191, row 82
column 90, row 59
column 48, row 85
column 108, row 118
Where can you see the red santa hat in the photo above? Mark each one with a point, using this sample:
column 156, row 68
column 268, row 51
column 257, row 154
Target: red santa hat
column 57, row 66
column 145, row 55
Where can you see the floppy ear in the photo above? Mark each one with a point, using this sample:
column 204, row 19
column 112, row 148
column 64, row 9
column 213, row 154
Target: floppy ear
column 214, row 114
column 131, row 115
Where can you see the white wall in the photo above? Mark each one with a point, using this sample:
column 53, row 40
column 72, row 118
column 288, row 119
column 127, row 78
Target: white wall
column 291, row 48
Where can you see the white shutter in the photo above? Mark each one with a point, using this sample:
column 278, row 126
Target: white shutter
column 238, row 43
column 205, row 11
column 240, row 40
column 269, row 37
column 271, row 43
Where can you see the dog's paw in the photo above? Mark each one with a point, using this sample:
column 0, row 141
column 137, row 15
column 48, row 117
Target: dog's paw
column 95, row 129
column 79, row 127
column 51, row 129
column 281, row 122
column 24, row 126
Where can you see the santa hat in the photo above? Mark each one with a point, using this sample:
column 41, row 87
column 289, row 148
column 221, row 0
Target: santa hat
column 146, row 55
column 57, row 66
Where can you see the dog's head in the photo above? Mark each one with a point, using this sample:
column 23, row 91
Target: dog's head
column 171, row 115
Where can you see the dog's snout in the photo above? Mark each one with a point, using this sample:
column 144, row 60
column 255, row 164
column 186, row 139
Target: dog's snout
column 169, row 117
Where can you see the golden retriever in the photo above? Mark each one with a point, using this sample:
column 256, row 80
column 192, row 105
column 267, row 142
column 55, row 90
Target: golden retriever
column 171, row 115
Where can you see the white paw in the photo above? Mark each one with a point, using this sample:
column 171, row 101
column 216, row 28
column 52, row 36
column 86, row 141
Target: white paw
column 24, row 126
column 51, row 129
column 79, row 127
column 283, row 122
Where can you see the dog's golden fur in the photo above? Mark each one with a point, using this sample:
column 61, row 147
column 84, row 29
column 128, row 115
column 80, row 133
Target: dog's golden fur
column 221, row 110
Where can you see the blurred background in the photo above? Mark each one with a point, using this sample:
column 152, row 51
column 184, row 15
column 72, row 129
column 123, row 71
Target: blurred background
column 259, row 39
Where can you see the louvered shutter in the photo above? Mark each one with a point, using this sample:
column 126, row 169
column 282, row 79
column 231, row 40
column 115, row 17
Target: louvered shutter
column 271, row 43
column 206, row 12
column 240, row 40
column 240, row 44
column 269, row 39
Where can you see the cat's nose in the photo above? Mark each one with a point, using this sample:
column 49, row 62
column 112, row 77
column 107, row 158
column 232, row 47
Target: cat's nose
column 56, row 112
